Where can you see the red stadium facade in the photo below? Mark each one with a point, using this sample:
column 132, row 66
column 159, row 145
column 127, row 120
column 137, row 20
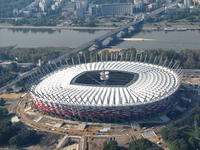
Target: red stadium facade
column 150, row 93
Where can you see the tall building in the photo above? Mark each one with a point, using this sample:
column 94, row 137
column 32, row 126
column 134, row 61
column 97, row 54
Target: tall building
column 117, row 9
column 79, row 13
column 82, row 4
column 196, row 2
column 187, row 3
column 43, row 5
column 81, row 8
column 94, row 10
column 138, row 4
column 69, row 6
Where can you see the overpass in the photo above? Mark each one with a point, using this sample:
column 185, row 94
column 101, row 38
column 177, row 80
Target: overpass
column 124, row 30
column 99, row 41
column 17, row 79
column 157, row 11
column 111, row 34
column 83, row 47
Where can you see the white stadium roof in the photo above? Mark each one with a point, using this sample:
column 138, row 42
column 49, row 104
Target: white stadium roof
column 153, row 84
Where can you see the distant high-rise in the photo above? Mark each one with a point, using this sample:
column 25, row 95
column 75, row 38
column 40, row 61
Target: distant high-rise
column 117, row 9
column 196, row 2
column 111, row 9
column 138, row 3
column 81, row 4
column 94, row 10
column 187, row 3
column 81, row 8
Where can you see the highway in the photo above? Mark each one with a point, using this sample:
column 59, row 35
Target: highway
column 17, row 79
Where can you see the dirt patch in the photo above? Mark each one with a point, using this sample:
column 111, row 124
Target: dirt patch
column 96, row 143
column 192, row 80
column 122, row 141
column 49, row 141
column 11, row 96
column 12, row 105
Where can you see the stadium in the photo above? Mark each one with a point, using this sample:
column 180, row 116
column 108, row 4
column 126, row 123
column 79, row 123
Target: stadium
column 106, row 90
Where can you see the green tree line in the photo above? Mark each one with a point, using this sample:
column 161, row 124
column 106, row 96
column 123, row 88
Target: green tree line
column 188, row 59
column 5, row 75
column 141, row 144
column 15, row 133
column 32, row 55
column 111, row 1
column 7, row 6
column 184, row 136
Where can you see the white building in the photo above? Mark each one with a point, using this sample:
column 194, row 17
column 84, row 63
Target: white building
column 187, row 3
column 138, row 4
column 117, row 9
column 111, row 9
column 43, row 5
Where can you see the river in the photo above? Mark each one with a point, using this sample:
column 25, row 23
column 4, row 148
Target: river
column 46, row 37
column 175, row 40
column 73, row 38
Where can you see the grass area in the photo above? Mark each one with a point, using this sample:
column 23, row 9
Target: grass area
column 32, row 54
column 105, row 25
column 188, row 131
column 192, row 80
column 26, row 55
column 183, row 20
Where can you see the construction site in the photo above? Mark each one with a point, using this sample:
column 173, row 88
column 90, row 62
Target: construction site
column 64, row 134
column 83, row 135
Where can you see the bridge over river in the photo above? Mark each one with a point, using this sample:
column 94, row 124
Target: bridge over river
column 97, row 43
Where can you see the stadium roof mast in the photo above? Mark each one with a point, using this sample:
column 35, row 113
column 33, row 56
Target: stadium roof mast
column 48, row 68
column 104, row 75
column 72, row 100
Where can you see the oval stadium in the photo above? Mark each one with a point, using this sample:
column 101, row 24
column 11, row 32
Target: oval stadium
column 108, row 90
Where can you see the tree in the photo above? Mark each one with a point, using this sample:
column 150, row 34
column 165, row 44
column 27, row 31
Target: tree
column 179, row 144
column 24, row 138
column 197, row 118
column 3, row 112
column 2, row 102
column 170, row 133
column 142, row 144
column 13, row 67
column 15, row 140
column 110, row 145
column 5, row 131
column 196, row 129
column 192, row 141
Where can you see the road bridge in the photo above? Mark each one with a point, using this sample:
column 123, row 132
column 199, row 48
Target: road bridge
column 157, row 11
column 98, row 41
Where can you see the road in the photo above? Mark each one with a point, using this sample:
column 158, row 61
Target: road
column 37, row 126
column 17, row 79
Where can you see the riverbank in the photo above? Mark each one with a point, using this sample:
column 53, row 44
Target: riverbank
column 165, row 40
column 146, row 27
column 161, row 26
column 57, row 37
column 137, row 39
column 55, row 27
column 27, row 38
